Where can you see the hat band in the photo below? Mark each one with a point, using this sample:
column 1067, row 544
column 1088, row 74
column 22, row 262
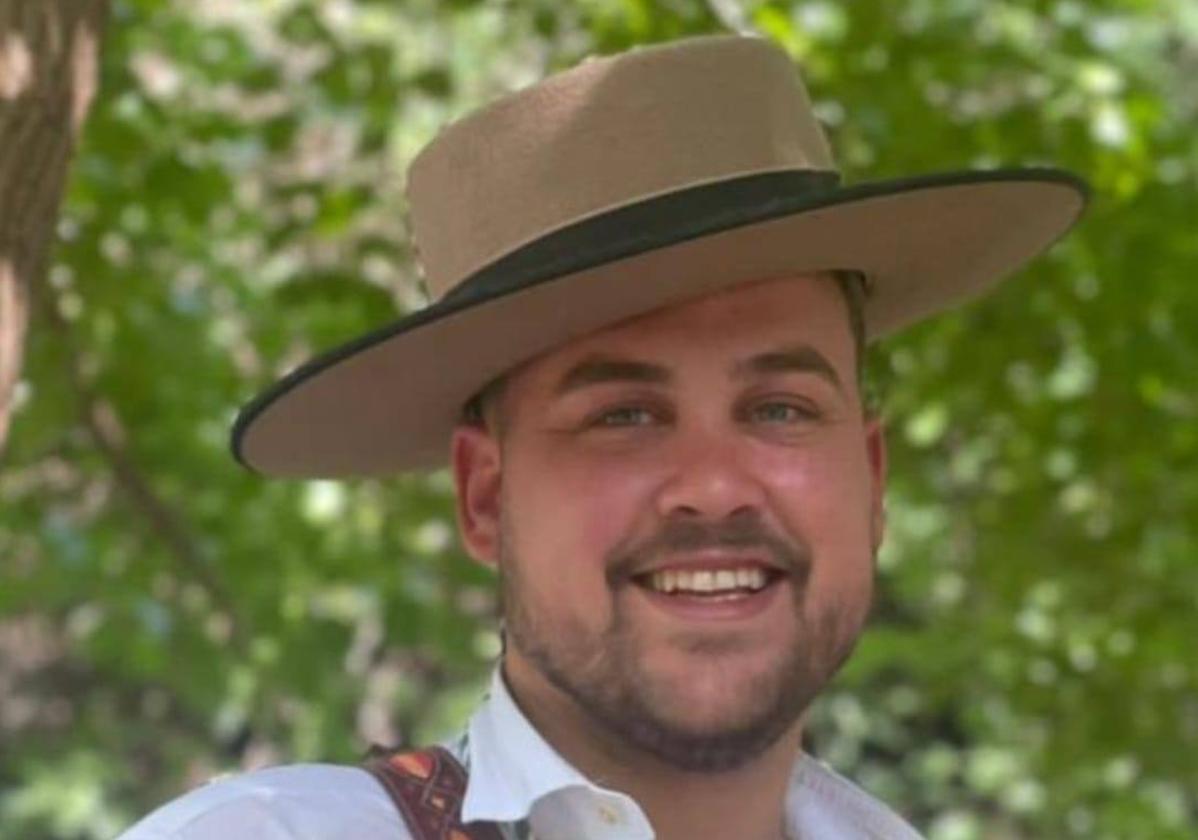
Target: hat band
column 645, row 226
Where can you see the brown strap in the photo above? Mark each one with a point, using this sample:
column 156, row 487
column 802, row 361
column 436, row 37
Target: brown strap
column 427, row 786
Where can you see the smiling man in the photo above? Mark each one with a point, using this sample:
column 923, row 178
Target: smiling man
column 684, row 528
column 683, row 509
column 652, row 299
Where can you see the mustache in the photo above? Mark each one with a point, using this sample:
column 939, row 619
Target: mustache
column 679, row 536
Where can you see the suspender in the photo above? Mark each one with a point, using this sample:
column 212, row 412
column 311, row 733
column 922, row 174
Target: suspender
column 427, row 787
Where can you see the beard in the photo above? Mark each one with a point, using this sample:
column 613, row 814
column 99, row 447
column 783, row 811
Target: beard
column 608, row 675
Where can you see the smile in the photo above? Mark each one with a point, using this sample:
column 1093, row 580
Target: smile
column 732, row 590
column 710, row 582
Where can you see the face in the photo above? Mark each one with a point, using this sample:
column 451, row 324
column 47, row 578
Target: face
column 684, row 510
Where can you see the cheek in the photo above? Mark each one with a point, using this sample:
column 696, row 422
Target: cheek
column 824, row 496
column 566, row 516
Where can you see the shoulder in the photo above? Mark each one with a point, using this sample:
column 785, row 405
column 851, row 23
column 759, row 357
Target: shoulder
column 828, row 804
column 292, row 802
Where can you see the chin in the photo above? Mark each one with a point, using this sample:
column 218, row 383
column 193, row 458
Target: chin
column 711, row 719
column 715, row 694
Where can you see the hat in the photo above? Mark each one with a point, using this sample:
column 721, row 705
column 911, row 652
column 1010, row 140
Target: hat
column 627, row 184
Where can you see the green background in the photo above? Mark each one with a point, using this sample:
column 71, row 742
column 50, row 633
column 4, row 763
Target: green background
column 237, row 204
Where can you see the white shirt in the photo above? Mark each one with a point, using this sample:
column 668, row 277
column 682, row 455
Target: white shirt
column 516, row 779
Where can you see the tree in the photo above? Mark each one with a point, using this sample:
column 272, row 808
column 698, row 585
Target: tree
column 49, row 55
column 237, row 204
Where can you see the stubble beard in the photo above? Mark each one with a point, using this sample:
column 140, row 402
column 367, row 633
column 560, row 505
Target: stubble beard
column 607, row 676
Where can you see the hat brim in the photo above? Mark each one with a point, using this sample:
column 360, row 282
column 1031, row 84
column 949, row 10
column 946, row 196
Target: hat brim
column 387, row 402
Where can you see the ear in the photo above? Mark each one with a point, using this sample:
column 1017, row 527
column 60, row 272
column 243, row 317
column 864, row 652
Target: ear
column 875, row 451
column 475, row 459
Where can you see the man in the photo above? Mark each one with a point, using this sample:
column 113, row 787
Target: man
column 652, row 299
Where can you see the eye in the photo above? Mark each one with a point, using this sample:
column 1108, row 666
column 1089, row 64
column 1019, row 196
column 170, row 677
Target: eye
column 627, row 415
column 786, row 413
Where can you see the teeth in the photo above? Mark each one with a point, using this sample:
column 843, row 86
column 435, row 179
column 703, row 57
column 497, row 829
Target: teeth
column 705, row 580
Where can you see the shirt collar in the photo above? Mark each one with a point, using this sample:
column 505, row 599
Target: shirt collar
column 511, row 765
column 512, row 768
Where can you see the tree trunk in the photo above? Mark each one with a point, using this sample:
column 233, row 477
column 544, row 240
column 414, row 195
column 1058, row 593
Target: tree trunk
column 49, row 51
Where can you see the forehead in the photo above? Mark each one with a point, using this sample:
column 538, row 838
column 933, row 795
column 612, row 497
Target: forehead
column 719, row 328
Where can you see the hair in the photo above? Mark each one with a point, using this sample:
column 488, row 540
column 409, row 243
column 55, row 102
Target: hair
column 854, row 287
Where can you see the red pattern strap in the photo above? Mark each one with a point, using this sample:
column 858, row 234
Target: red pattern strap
column 427, row 787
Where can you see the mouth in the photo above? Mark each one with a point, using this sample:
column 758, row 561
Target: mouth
column 715, row 583
column 720, row 591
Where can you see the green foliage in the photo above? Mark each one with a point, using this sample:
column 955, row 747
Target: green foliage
column 237, row 204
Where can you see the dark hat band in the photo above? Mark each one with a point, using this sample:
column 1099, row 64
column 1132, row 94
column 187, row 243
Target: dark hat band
column 646, row 226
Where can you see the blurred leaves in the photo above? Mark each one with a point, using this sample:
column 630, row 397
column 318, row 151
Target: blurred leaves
column 238, row 204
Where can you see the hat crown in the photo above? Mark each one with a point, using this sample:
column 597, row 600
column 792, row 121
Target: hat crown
column 608, row 133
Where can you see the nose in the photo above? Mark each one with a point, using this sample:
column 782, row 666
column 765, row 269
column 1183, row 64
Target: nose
column 711, row 478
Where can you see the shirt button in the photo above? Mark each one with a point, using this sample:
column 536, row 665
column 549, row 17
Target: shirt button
column 608, row 815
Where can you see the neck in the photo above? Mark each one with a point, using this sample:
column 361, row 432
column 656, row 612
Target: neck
column 747, row 803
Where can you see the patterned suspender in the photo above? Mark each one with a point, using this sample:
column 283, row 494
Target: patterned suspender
column 427, row 787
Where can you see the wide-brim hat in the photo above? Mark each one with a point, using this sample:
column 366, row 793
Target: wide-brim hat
column 624, row 185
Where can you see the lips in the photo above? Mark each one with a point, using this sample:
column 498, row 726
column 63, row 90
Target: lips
column 718, row 585
column 698, row 570
column 711, row 596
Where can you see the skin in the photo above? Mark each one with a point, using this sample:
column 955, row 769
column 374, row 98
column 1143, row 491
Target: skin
column 730, row 430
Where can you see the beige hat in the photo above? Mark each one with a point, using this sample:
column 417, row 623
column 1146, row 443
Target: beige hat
column 623, row 185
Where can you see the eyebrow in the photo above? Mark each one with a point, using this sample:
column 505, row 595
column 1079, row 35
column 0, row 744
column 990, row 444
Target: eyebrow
column 597, row 370
column 798, row 358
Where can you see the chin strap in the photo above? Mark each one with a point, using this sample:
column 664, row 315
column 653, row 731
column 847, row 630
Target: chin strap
column 427, row 787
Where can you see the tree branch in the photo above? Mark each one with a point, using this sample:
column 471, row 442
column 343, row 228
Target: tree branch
column 99, row 417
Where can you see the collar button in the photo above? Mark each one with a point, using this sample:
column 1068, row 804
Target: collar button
column 609, row 815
